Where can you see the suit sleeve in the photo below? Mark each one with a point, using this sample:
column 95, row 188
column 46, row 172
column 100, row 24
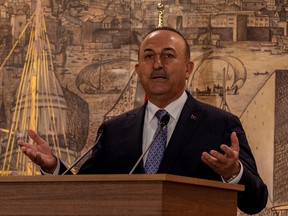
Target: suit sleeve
column 254, row 198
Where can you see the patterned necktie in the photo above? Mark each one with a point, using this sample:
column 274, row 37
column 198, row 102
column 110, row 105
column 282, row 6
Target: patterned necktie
column 157, row 147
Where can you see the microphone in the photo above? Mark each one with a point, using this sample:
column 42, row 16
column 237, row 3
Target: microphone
column 91, row 147
column 163, row 122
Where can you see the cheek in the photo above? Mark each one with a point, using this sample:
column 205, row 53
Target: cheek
column 180, row 80
column 179, row 76
column 142, row 69
column 142, row 77
column 139, row 70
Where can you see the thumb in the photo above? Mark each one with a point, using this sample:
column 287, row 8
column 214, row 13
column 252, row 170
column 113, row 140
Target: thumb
column 234, row 142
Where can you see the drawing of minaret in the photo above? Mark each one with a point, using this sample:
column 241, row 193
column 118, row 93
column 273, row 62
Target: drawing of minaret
column 39, row 104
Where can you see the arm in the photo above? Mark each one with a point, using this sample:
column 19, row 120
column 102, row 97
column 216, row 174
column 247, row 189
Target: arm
column 254, row 198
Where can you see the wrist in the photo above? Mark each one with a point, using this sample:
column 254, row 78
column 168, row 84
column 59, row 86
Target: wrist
column 230, row 178
column 234, row 174
column 50, row 169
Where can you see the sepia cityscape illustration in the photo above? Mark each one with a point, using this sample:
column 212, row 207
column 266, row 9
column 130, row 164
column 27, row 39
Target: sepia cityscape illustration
column 67, row 66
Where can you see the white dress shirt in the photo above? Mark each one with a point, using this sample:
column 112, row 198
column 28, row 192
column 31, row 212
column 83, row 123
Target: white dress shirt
column 151, row 122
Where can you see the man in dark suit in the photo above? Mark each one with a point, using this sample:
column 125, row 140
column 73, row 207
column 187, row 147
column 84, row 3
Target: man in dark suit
column 201, row 141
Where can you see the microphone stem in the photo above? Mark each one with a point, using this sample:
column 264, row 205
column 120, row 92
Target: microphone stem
column 163, row 124
column 140, row 159
column 80, row 158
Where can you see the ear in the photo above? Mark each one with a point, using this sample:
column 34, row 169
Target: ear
column 136, row 67
column 189, row 69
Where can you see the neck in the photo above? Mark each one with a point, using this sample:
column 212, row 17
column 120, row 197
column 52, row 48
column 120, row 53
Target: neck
column 162, row 101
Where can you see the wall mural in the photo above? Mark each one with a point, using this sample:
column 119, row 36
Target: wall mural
column 90, row 47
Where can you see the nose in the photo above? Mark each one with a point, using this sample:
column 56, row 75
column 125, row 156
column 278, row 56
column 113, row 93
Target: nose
column 157, row 64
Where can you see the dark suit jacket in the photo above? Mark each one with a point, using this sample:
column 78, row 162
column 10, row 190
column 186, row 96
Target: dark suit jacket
column 201, row 127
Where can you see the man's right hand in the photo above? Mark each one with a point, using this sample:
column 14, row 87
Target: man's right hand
column 40, row 153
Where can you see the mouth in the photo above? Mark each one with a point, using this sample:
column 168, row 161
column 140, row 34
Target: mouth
column 158, row 75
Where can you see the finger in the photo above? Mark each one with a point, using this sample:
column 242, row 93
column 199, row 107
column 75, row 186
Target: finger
column 34, row 156
column 209, row 160
column 29, row 152
column 23, row 144
column 35, row 137
column 234, row 142
column 20, row 143
column 23, row 149
column 229, row 152
column 218, row 156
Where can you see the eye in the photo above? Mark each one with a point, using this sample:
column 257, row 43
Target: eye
column 168, row 55
column 148, row 56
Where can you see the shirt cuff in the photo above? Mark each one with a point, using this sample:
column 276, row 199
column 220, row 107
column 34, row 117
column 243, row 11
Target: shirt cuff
column 237, row 178
column 56, row 171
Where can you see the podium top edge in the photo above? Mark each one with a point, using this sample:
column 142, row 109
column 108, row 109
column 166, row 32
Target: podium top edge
column 121, row 178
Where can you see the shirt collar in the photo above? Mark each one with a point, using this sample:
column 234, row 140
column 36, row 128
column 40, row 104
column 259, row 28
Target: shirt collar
column 174, row 108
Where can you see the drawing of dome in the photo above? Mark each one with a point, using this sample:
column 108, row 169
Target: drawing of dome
column 41, row 104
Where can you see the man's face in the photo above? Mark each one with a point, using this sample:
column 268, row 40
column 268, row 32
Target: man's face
column 163, row 68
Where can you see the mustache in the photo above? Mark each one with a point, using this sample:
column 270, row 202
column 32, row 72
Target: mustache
column 158, row 74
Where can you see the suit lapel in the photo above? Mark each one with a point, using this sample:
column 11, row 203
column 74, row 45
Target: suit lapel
column 135, row 121
column 189, row 119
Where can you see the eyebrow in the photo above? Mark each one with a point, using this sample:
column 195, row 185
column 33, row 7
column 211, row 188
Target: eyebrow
column 164, row 49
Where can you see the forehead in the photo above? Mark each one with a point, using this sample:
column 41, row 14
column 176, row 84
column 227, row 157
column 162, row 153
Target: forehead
column 163, row 39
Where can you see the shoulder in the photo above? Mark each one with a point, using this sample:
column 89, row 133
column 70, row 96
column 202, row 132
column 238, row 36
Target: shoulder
column 208, row 110
column 130, row 115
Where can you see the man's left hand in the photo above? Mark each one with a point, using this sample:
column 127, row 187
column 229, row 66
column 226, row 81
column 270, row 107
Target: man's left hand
column 227, row 164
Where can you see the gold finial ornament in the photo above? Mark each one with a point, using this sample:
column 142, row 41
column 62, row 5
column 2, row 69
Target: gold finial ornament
column 160, row 8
